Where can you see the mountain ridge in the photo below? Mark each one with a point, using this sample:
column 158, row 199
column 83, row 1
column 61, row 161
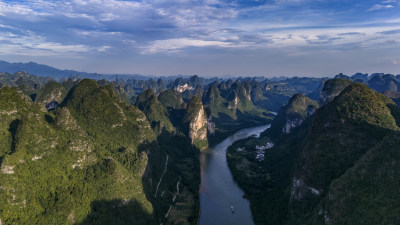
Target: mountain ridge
column 326, row 171
column 49, row 71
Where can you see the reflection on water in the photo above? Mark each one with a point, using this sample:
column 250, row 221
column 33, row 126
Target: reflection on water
column 218, row 191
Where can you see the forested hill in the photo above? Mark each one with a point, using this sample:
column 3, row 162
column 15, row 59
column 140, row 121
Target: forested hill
column 92, row 159
column 77, row 151
column 338, row 166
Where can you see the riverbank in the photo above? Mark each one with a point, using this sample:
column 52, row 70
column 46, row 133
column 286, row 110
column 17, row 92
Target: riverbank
column 266, row 183
column 225, row 129
column 218, row 190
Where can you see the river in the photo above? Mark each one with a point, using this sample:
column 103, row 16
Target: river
column 218, row 190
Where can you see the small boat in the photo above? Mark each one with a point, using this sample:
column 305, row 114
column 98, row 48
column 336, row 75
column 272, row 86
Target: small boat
column 232, row 209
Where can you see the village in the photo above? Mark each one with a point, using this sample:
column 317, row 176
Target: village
column 260, row 150
column 260, row 153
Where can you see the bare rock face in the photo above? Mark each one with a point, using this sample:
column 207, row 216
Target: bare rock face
column 297, row 119
column 291, row 123
column 298, row 110
column 196, row 118
column 197, row 131
column 182, row 88
column 210, row 125
column 233, row 105
column 51, row 95
column 52, row 105
column 7, row 169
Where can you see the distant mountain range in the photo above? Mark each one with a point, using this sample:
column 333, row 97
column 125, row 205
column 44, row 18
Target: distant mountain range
column 48, row 71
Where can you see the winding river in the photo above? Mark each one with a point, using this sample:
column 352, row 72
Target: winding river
column 219, row 193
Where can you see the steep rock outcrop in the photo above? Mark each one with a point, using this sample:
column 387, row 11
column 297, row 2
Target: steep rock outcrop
column 239, row 97
column 171, row 99
column 360, row 76
column 386, row 82
column 155, row 112
column 51, row 95
column 217, row 103
column 196, row 120
column 332, row 88
column 292, row 115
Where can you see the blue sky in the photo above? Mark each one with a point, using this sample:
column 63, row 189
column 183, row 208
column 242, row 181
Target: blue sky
column 205, row 37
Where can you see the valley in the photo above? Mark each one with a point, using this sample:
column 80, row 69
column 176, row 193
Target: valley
column 324, row 169
column 221, row 200
column 183, row 151
column 199, row 112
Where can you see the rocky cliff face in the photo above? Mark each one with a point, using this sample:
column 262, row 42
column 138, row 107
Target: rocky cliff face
column 197, row 125
column 217, row 103
column 51, row 91
column 240, row 97
column 183, row 88
column 230, row 99
column 196, row 120
column 210, row 125
column 293, row 114
column 291, row 123
column 155, row 112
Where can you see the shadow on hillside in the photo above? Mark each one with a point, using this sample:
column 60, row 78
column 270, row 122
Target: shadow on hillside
column 109, row 212
column 183, row 165
column 13, row 129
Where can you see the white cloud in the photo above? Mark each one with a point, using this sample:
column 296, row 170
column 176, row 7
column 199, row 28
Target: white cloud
column 103, row 48
column 173, row 45
column 32, row 44
column 127, row 28
column 378, row 7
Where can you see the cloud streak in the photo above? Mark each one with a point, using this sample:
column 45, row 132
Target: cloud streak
column 177, row 30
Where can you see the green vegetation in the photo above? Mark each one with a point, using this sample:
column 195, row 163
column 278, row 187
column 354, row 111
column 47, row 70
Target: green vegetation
column 231, row 109
column 337, row 167
column 93, row 160
column 51, row 91
column 185, row 173
column 97, row 159
column 155, row 112
column 77, row 155
column 171, row 99
column 182, row 175
column 216, row 102
column 27, row 83
column 293, row 114
column 267, row 183
column 332, row 88
column 343, row 132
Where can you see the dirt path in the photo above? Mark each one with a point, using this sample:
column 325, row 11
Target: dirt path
column 165, row 170
column 175, row 195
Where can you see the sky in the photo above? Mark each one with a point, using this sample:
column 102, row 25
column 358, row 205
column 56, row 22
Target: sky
column 204, row 37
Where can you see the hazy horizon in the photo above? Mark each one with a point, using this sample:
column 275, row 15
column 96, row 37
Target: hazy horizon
column 207, row 37
column 224, row 76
